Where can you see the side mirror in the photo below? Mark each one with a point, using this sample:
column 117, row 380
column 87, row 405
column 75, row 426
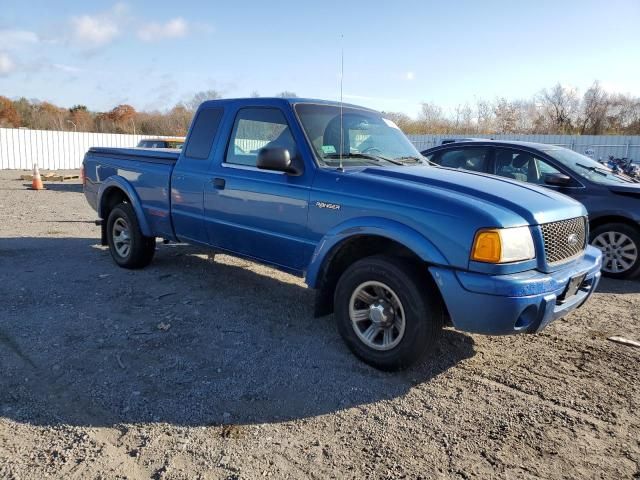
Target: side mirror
column 557, row 179
column 277, row 159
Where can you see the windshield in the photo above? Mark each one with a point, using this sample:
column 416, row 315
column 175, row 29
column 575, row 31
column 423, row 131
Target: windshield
column 587, row 167
column 367, row 137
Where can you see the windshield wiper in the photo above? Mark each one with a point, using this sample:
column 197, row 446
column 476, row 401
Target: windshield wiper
column 601, row 171
column 368, row 156
column 415, row 160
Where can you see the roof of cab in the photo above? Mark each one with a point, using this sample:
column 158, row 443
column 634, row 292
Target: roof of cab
column 279, row 101
column 491, row 141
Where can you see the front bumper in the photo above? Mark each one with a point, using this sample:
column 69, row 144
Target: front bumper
column 517, row 303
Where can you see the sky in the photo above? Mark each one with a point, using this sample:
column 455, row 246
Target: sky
column 397, row 55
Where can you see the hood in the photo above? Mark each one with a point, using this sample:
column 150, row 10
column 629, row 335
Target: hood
column 536, row 205
column 630, row 190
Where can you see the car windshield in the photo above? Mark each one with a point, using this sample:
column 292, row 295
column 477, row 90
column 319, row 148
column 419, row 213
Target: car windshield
column 587, row 167
column 366, row 137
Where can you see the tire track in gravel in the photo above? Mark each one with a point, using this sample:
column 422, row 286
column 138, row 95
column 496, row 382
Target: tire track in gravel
column 70, row 404
column 515, row 390
column 15, row 348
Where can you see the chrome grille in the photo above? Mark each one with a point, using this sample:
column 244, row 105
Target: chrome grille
column 564, row 239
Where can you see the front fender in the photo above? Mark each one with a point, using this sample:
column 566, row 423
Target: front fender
column 116, row 181
column 381, row 227
column 631, row 215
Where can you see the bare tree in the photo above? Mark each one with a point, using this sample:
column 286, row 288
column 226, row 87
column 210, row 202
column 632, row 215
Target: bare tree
column 485, row 117
column 463, row 122
column 49, row 117
column 624, row 115
column 200, row 97
column 595, row 106
column 560, row 106
column 287, row 94
column 404, row 121
column 431, row 118
column 506, row 116
column 81, row 118
column 179, row 119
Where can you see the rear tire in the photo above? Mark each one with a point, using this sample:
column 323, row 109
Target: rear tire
column 620, row 247
column 387, row 313
column 129, row 248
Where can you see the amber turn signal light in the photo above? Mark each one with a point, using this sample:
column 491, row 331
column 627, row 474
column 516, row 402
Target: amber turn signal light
column 487, row 247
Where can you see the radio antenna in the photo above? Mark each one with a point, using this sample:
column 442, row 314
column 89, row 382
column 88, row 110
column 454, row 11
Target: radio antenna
column 341, row 79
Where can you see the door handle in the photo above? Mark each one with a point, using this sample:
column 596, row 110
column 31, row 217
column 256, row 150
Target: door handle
column 219, row 183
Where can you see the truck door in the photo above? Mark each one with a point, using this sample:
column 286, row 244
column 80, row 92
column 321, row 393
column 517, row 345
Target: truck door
column 191, row 176
column 258, row 213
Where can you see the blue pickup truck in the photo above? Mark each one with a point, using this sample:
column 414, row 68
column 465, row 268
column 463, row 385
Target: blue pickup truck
column 395, row 247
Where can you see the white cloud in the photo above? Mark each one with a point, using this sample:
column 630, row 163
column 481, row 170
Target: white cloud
column 410, row 76
column 6, row 64
column 94, row 31
column 174, row 28
column 16, row 38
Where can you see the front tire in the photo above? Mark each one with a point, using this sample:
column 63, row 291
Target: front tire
column 620, row 246
column 129, row 248
column 387, row 313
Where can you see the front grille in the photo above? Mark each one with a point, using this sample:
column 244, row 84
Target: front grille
column 564, row 239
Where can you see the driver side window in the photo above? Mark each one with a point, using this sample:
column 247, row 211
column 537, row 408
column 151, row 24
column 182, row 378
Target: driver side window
column 257, row 128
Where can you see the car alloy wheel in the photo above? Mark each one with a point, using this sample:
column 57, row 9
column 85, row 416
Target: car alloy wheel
column 619, row 251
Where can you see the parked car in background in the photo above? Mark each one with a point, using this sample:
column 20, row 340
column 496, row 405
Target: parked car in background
column 338, row 195
column 176, row 143
column 612, row 200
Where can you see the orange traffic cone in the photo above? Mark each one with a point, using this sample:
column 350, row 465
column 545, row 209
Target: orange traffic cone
column 36, row 183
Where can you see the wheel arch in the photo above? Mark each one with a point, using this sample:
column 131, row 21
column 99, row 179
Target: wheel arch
column 612, row 218
column 339, row 249
column 117, row 190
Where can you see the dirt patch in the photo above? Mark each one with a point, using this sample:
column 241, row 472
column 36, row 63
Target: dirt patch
column 242, row 382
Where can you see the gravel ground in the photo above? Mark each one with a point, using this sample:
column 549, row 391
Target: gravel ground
column 201, row 368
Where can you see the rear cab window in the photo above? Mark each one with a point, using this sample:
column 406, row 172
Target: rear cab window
column 203, row 133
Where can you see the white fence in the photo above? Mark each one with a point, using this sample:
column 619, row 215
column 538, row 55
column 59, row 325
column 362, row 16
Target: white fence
column 596, row 146
column 21, row 148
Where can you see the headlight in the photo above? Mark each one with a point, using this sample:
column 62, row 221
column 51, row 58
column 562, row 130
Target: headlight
column 503, row 245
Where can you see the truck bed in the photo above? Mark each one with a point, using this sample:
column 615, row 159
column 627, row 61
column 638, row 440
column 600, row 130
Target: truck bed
column 152, row 155
column 146, row 170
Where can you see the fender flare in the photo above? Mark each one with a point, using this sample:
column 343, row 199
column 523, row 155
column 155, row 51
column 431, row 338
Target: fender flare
column 377, row 226
column 120, row 183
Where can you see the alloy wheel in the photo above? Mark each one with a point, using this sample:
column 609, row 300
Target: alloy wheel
column 619, row 250
column 121, row 237
column 377, row 315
